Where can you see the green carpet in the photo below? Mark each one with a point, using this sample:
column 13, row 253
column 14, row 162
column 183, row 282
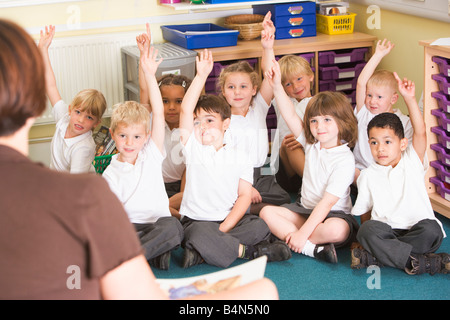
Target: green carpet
column 302, row 277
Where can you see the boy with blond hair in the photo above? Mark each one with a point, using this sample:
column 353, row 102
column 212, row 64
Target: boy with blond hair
column 135, row 173
column 218, row 188
column 72, row 147
column 376, row 92
column 403, row 231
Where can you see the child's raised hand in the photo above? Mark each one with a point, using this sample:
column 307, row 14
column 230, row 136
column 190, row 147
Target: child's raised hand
column 205, row 63
column 383, row 48
column 148, row 59
column 46, row 37
column 143, row 38
column 268, row 32
column 406, row 87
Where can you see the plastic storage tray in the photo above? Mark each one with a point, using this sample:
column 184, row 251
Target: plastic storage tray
column 442, row 136
column 443, row 119
column 342, row 56
column 101, row 162
column 340, row 24
column 443, row 100
column 292, row 20
column 296, row 32
column 443, row 64
column 176, row 60
column 441, row 171
column 337, row 85
column 199, row 36
column 342, row 71
column 443, row 82
column 442, row 154
column 441, row 188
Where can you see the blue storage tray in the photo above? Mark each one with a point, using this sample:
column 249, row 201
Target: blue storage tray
column 199, row 36
column 295, row 32
column 287, row 9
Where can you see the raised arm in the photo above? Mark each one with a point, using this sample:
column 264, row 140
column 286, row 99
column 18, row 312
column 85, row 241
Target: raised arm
column 268, row 56
column 267, row 42
column 382, row 49
column 45, row 41
column 149, row 65
column 204, row 67
column 419, row 139
column 143, row 90
column 284, row 103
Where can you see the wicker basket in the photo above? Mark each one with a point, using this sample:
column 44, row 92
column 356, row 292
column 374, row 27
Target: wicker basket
column 249, row 25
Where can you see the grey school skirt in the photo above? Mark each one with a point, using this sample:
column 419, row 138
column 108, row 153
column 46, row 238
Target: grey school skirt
column 351, row 221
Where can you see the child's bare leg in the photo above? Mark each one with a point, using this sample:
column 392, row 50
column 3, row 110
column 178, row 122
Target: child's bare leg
column 332, row 230
column 281, row 221
column 293, row 161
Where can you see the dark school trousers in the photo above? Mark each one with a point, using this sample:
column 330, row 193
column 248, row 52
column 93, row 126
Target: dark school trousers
column 392, row 247
column 161, row 236
column 269, row 189
column 218, row 248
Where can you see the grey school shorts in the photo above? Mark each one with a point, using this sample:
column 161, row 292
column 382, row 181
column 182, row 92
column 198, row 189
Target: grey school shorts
column 351, row 221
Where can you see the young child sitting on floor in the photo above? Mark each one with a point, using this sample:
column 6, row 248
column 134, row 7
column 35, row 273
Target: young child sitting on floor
column 376, row 92
column 135, row 174
column 173, row 87
column 403, row 231
column 72, row 147
column 320, row 219
column 218, row 185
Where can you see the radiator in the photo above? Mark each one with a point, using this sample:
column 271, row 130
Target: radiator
column 88, row 62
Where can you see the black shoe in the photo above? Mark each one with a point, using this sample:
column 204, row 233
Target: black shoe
column 191, row 258
column 429, row 263
column 361, row 258
column 326, row 253
column 161, row 262
column 275, row 251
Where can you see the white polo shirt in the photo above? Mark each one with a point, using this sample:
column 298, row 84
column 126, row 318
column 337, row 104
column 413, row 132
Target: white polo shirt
column 363, row 155
column 140, row 187
column 74, row 155
column 249, row 133
column 212, row 180
column 396, row 196
column 173, row 165
column 331, row 170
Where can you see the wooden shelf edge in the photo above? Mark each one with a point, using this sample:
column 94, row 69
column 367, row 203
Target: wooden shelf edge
column 439, row 204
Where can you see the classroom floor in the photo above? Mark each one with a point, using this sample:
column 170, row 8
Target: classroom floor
column 302, row 278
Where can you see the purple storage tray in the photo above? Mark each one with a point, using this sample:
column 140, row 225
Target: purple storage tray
column 442, row 154
column 443, row 119
column 210, row 85
column 343, row 71
column 337, row 85
column 441, row 188
column 443, row 100
column 442, row 137
column 441, row 171
column 342, row 56
column 307, row 56
column 443, row 64
column 443, row 82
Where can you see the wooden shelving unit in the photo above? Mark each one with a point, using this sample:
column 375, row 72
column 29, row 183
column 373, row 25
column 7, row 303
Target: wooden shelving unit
column 439, row 204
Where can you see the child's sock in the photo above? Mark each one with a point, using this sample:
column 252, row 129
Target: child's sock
column 248, row 252
column 308, row 249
